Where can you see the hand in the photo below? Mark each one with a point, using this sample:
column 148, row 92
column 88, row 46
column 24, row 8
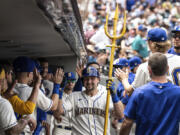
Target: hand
column 37, row 78
column 80, row 68
column 9, row 93
column 46, row 125
column 32, row 123
column 121, row 74
column 110, row 85
column 58, row 77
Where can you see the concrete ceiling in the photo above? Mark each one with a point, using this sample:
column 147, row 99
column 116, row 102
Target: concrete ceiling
column 24, row 30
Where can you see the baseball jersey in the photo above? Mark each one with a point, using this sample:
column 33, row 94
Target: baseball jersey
column 142, row 75
column 44, row 103
column 66, row 118
column 155, row 107
column 7, row 117
column 88, row 113
column 48, row 86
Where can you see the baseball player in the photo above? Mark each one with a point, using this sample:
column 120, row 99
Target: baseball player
column 155, row 105
column 8, row 123
column 176, row 41
column 88, row 107
column 157, row 40
column 79, row 69
column 23, row 67
column 64, row 127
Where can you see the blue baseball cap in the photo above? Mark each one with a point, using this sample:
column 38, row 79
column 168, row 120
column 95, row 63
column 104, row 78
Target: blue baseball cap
column 142, row 28
column 70, row 76
column 177, row 29
column 90, row 71
column 157, row 35
column 122, row 62
column 23, row 64
column 134, row 61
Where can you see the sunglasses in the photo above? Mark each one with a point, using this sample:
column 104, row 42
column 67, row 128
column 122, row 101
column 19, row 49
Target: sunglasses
column 71, row 81
column 176, row 35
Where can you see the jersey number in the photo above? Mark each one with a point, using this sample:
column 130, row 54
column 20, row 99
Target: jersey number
column 175, row 75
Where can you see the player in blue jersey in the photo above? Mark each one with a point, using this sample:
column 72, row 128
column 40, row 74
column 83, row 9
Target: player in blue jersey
column 154, row 106
column 176, row 41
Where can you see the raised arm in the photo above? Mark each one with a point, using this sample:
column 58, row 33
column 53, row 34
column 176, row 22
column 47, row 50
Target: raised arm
column 118, row 106
column 58, row 77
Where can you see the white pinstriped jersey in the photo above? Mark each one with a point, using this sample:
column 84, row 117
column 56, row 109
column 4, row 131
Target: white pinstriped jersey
column 7, row 117
column 88, row 113
column 142, row 75
column 24, row 91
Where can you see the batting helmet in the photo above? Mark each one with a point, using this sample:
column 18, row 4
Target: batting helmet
column 90, row 71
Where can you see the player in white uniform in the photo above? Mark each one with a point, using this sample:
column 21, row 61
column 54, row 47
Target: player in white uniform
column 64, row 127
column 88, row 107
column 23, row 67
column 8, row 123
column 157, row 40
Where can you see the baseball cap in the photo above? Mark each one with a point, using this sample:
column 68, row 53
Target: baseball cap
column 134, row 61
column 70, row 76
column 23, row 64
column 157, row 35
column 142, row 28
column 177, row 29
column 90, row 71
column 121, row 62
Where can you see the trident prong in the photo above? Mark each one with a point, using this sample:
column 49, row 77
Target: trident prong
column 113, row 46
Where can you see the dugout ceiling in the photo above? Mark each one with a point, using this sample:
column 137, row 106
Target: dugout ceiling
column 40, row 28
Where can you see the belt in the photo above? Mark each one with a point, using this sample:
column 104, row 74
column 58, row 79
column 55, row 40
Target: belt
column 64, row 127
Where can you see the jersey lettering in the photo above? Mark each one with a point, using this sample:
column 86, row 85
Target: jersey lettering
column 93, row 111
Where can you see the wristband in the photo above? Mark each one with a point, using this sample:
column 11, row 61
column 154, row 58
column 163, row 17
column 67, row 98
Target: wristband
column 115, row 98
column 60, row 94
column 56, row 88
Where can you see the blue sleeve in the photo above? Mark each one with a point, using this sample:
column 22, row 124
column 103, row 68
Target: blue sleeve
column 130, row 110
column 78, row 86
column 120, row 90
column 125, row 100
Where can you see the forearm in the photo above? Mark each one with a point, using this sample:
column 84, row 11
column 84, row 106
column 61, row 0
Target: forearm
column 16, row 130
column 126, row 127
column 128, row 88
column 119, row 110
column 55, row 96
column 60, row 110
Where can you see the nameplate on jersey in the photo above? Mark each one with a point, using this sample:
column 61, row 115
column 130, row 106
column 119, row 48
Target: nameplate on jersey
column 89, row 110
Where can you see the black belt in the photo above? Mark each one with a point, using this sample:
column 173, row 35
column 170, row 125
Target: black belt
column 64, row 127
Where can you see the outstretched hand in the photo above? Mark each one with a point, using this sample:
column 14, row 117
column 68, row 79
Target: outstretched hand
column 58, row 77
column 120, row 74
column 80, row 68
column 37, row 78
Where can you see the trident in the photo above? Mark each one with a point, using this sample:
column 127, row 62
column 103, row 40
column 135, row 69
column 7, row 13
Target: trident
column 113, row 46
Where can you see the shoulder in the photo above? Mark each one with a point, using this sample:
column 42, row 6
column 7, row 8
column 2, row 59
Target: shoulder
column 4, row 102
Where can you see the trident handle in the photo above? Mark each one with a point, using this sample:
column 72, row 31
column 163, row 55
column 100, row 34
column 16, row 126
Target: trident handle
column 113, row 46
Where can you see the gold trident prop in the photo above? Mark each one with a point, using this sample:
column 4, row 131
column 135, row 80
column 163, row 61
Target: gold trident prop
column 113, row 46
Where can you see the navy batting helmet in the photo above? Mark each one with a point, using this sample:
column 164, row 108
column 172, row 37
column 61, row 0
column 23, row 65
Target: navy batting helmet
column 90, row 71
